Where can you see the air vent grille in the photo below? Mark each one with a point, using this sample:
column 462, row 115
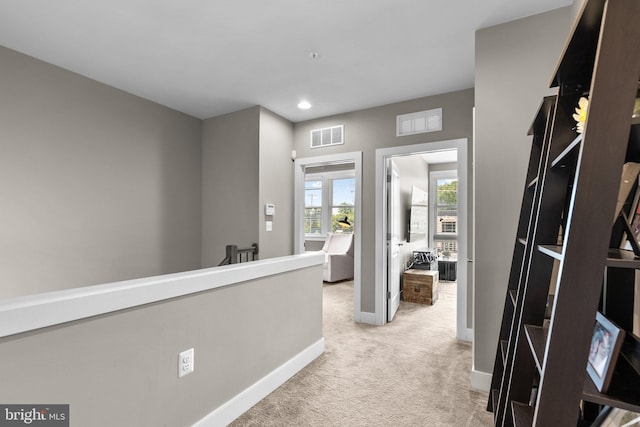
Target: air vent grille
column 327, row 136
column 420, row 122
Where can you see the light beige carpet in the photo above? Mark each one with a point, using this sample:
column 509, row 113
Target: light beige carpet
column 411, row 372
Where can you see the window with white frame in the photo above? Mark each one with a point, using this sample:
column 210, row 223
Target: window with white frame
column 329, row 199
column 444, row 212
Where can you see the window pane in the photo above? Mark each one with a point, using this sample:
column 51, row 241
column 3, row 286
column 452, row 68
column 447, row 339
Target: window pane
column 447, row 191
column 446, row 220
column 340, row 213
column 313, row 220
column 313, row 193
column 447, row 248
column 344, row 191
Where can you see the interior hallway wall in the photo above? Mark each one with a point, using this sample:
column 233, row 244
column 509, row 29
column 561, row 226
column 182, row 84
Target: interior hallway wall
column 276, row 184
column 370, row 129
column 246, row 162
column 230, row 183
column 514, row 64
column 96, row 185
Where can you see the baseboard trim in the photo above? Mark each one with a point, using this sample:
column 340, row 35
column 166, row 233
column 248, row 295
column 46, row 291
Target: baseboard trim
column 480, row 380
column 369, row 318
column 238, row 405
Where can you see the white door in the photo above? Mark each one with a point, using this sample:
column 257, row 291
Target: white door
column 394, row 205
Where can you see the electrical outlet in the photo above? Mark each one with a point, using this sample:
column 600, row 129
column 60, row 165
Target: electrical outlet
column 185, row 362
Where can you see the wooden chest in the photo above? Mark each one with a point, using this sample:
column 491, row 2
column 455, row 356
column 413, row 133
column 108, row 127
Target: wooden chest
column 420, row 286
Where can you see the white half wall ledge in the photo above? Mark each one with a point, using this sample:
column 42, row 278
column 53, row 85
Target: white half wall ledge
column 242, row 402
column 31, row 312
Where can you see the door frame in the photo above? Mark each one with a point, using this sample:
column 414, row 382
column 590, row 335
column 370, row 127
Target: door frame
column 393, row 194
column 381, row 253
column 298, row 217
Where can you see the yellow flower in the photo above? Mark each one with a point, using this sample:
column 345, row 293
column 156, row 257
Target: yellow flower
column 581, row 114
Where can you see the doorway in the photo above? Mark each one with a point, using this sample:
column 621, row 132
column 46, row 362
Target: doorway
column 382, row 285
column 300, row 167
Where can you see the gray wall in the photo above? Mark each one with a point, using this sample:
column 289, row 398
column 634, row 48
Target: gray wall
column 514, row 63
column 230, row 183
column 276, row 184
column 96, row 185
column 246, row 162
column 121, row 369
column 367, row 130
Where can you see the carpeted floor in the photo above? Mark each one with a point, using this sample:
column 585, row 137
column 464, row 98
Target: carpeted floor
column 411, row 372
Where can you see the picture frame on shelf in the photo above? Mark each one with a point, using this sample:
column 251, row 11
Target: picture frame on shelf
column 617, row 417
column 604, row 350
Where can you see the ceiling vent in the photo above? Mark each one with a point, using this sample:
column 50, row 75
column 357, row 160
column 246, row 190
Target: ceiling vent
column 327, row 136
column 420, row 122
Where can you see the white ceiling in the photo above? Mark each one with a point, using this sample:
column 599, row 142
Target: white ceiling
column 207, row 58
column 445, row 156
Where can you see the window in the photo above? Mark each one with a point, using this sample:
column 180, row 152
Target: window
column 329, row 198
column 445, row 212
column 313, row 207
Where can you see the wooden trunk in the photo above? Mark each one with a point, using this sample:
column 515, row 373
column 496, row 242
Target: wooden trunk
column 420, row 286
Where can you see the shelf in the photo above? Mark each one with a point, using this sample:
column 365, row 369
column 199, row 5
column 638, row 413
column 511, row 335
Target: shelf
column 564, row 157
column 624, row 390
column 554, row 251
column 617, row 258
column 621, row 258
column 522, row 414
column 522, row 241
column 533, row 183
column 537, row 338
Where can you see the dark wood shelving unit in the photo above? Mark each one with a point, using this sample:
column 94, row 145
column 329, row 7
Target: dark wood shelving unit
column 568, row 203
column 566, row 156
column 537, row 337
column 522, row 414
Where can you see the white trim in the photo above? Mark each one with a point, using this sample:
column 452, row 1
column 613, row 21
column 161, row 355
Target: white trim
column 26, row 313
column 368, row 318
column 232, row 409
column 480, row 380
column 298, row 217
column 382, row 154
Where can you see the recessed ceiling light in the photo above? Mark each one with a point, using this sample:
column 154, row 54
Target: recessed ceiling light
column 304, row 105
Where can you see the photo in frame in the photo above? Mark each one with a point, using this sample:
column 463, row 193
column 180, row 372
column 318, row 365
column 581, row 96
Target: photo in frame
column 603, row 353
column 616, row 417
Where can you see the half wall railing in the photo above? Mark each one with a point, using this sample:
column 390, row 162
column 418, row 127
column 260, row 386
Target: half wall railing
column 236, row 255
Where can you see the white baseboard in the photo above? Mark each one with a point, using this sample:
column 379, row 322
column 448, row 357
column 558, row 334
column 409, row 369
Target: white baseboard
column 369, row 318
column 480, row 380
column 466, row 335
column 238, row 405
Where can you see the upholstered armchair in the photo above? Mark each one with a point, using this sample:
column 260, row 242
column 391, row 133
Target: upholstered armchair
column 338, row 257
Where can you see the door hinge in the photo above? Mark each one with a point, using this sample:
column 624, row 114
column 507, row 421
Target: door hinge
column 388, row 178
column 388, row 295
column 388, row 236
